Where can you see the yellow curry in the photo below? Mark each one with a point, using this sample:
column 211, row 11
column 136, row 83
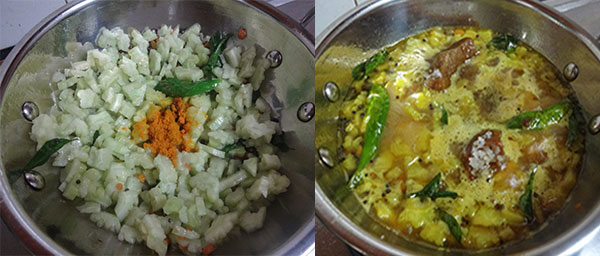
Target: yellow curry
column 479, row 146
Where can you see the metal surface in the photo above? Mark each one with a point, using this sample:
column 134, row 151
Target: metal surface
column 331, row 91
column 48, row 224
column 358, row 34
column 34, row 179
column 325, row 157
column 571, row 72
column 275, row 58
column 306, row 111
column 29, row 111
column 594, row 125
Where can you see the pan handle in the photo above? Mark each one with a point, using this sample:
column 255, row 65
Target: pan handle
column 308, row 16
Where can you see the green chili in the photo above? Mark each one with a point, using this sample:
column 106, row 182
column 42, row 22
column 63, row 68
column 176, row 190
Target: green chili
column 378, row 105
column 537, row 120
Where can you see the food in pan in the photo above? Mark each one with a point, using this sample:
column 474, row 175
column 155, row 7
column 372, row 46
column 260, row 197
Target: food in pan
column 163, row 136
column 460, row 137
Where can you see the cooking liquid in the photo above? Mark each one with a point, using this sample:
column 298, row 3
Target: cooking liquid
column 485, row 92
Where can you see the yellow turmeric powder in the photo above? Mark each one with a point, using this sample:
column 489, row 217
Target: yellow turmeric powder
column 165, row 131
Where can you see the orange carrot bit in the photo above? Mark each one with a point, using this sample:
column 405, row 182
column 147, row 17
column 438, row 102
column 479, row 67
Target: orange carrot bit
column 578, row 206
column 210, row 248
column 141, row 177
column 459, row 31
column 242, row 33
column 119, row 186
column 188, row 229
column 167, row 240
column 206, row 44
column 180, row 238
column 188, row 167
column 372, row 175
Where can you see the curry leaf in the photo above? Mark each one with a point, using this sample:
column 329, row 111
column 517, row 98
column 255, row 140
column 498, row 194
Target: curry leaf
column 363, row 69
column 229, row 147
column 174, row 87
column 217, row 44
column 96, row 134
column 452, row 224
column 505, row 42
column 47, row 150
column 526, row 200
column 444, row 118
column 432, row 191
column 444, row 193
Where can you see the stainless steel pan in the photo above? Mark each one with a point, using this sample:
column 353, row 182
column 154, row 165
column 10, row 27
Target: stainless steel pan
column 372, row 26
column 48, row 224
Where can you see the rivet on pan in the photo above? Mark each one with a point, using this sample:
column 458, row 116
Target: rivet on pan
column 29, row 111
column 331, row 91
column 594, row 125
column 34, row 179
column 325, row 157
column 275, row 58
column 306, row 111
column 571, row 71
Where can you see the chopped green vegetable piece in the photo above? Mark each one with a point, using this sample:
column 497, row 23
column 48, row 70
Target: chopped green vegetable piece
column 505, row 42
column 378, row 105
column 174, row 87
column 217, row 44
column 362, row 70
column 526, row 200
column 47, row 150
column 444, row 119
column 452, row 224
column 96, row 134
column 432, row 191
column 537, row 120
